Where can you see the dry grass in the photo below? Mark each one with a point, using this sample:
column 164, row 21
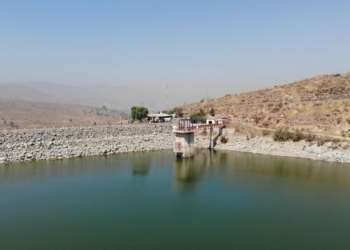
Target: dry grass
column 317, row 104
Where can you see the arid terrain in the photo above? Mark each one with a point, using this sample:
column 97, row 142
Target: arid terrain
column 23, row 114
column 318, row 105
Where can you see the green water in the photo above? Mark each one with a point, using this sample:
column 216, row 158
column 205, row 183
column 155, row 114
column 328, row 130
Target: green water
column 222, row 200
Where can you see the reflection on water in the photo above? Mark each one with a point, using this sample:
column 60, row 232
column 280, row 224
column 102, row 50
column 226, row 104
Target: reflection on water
column 186, row 170
column 225, row 200
column 141, row 163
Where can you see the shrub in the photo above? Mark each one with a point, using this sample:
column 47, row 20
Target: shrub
column 335, row 140
column 265, row 124
column 320, row 142
column 198, row 117
column 265, row 132
column 297, row 136
column 223, row 139
column 309, row 137
column 177, row 111
column 282, row 135
column 204, row 132
column 212, row 112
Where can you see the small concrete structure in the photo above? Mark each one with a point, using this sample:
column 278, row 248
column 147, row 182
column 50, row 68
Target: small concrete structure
column 184, row 138
column 212, row 120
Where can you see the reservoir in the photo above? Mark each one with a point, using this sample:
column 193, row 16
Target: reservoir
column 152, row 200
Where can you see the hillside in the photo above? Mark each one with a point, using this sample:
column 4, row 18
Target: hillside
column 320, row 104
column 119, row 97
column 114, row 97
column 25, row 114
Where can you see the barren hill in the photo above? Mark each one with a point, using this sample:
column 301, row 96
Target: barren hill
column 25, row 114
column 116, row 97
column 320, row 104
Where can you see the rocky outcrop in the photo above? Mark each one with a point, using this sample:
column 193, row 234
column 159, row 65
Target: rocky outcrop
column 59, row 143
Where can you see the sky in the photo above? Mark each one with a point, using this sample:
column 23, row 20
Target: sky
column 199, row 49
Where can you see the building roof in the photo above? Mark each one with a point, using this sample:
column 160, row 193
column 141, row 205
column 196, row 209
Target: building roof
column 161, row 115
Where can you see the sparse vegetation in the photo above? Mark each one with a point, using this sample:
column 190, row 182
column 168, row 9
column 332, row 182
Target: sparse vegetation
column 223, row 139
column 265, row 132
column 282, row 134
column 204, row 132
column 265, row 124
column 212, row 112
column 177, row 111
column 297, row 136
column 309, row 137
column 199, row 117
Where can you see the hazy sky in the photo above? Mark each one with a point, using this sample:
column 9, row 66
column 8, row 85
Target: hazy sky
column 196, row 47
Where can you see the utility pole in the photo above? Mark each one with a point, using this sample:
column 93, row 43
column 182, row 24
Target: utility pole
column 167, row 98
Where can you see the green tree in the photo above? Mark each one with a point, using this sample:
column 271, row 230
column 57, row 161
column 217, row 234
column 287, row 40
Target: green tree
column 138, row 113
column 199, row 117
column 212, row 112
column 178, row 111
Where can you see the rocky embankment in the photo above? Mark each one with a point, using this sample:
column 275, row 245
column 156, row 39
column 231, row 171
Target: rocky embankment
column 329, row 151
column 59, row 143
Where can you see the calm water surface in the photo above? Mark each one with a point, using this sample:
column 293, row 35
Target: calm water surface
column 222, row 200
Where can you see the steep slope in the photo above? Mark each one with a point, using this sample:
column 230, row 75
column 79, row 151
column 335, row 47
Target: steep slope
column 320, row 104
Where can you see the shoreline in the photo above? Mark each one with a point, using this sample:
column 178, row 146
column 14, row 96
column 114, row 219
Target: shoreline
column 63, row 143
column 329, row 151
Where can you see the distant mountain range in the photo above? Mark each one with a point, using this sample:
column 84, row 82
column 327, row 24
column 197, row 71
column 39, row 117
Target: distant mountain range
column 115, row 97
column 27, row 114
